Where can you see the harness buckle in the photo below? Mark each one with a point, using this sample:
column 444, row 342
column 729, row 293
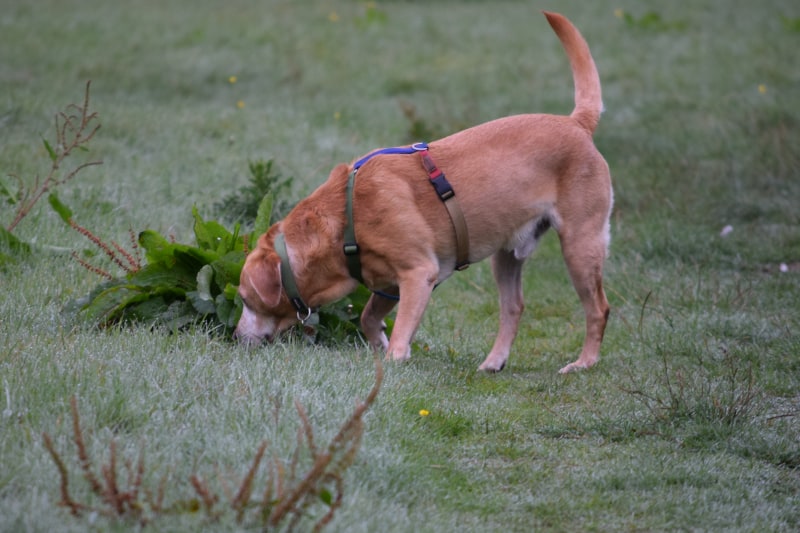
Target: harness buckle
column 443, row 187
column 350, row 248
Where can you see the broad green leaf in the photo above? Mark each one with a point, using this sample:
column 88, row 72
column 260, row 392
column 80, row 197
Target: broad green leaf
column 179, row 314
column 204, row 280
column 160, row 250
column 12, row 243
column 200, row 304
column 201, row 299
column 11, row 199
column 108, row 305
column 228, row 311
column 157, row 276
column 211, row 235
column 157, row 248
column 149, row 310
column 230, row 291
column 194, row 258
column 228, row 269
column 262, row 219
column 58, row 206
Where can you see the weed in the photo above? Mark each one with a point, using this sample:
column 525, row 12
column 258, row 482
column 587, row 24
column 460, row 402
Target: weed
column 650, row 21
column 286, row 501
column 242, row 206
column 75, row 126
column 711, row 389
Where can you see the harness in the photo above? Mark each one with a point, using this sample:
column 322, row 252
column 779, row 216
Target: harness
column 351, row 249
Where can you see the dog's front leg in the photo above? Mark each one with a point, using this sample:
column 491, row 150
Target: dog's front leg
column 415, row 292
column 372, row 324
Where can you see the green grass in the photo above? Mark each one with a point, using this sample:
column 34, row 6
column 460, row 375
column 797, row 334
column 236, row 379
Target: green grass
column 690, row 420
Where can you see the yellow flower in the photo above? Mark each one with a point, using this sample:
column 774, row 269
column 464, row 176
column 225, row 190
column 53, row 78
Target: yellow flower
column 619, row 13
column 240, row 104
column 762, row 89
column 233, row 79
column 424, row 412
column 333, row 16
column 337, row 115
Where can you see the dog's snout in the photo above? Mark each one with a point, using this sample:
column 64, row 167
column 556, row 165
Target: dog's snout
column 249, row 340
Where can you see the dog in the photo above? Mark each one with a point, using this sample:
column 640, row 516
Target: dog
column 513, row 178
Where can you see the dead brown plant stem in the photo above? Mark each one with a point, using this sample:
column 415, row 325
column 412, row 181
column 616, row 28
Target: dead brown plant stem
column 206, row 496
column 111, row 493
column 97, row 241
column 91, row 268
column 63, row 149
column 83, row 457
column 246, row 488
column 66, row 499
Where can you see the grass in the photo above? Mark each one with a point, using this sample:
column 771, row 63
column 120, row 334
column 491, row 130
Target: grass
column 690, row 420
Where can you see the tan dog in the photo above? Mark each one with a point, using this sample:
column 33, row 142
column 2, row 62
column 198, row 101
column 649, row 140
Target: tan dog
column 514, row 178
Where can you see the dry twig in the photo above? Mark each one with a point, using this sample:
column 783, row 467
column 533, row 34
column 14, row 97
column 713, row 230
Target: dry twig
column 285, row 499
column 75, row 127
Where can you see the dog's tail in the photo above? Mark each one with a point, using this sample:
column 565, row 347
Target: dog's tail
column 588, row 95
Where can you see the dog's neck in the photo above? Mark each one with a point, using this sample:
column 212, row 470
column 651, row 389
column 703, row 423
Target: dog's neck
column 314, row 234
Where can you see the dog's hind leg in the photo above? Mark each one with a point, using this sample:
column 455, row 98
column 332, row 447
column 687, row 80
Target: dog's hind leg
column 372, row 324
column 507, row 269
column 584, row 258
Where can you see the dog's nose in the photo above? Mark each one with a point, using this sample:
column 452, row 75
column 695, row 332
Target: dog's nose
column 249, row 340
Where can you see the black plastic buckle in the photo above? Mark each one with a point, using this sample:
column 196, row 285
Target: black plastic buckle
column 443, row 188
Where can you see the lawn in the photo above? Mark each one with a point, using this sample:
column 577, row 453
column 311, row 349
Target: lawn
column 691, row 419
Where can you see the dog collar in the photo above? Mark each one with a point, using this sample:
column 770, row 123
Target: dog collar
column 288, row 281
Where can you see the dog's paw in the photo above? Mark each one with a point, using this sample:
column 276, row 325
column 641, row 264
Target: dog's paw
column 398, row 356
column 573, row 367
column 489, row 369
column 492, row 365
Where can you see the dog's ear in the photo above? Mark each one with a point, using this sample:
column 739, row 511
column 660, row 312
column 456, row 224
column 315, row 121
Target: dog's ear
column 265, row 278
column 339, row 170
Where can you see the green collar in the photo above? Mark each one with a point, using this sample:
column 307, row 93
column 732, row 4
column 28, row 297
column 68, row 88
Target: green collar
column 350, row 244
column 288, row 281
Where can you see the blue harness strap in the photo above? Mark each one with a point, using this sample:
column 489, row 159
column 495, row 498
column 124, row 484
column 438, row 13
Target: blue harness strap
column 414, row 148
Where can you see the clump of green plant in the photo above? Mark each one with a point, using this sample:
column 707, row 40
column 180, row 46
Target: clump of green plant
column 179, row 284
column 696, row 392
column 712, row 387
column 651, row 21
column 373, row 16
column 791, row 24
column 242, row 206
column 286, row 499
column 75, row 126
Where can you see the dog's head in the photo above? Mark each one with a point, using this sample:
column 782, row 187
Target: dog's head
column 266, row 311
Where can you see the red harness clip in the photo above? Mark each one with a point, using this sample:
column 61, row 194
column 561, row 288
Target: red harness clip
column 438, row 180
